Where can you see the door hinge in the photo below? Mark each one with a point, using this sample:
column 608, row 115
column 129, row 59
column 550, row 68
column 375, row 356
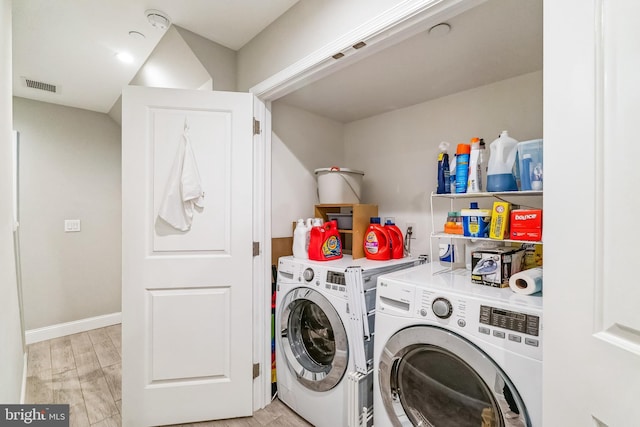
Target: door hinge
column 256, row 248
column 256, row 370
column 256, row 126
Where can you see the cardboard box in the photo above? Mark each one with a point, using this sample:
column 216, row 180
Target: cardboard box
column 500, row 221
column 526, row 224
column 494, row 267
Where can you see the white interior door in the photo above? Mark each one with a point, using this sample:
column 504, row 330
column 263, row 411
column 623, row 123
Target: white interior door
column 591, row 152
column 187, row 295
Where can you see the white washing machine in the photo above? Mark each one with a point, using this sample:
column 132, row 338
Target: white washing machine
column 452, row 353
column 324, row 337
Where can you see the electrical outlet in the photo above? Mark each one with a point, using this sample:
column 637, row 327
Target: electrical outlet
column 71, row 225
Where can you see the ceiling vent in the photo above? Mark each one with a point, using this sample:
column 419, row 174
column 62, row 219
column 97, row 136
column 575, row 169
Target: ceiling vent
column 34, row 84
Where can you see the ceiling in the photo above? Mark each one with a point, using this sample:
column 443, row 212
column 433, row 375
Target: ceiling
column 72, row 44
column 494, row 41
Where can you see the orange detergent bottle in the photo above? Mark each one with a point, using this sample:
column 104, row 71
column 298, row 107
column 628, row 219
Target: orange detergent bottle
column 377, row 243
column 397, row 248
column 324, row 242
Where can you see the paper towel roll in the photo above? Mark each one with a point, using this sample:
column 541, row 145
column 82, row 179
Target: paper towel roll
column 527, row 282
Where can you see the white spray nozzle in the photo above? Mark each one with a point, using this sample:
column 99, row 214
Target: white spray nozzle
column 444, row 146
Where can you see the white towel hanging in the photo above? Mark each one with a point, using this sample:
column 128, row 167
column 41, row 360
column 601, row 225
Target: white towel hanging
column 184, row 188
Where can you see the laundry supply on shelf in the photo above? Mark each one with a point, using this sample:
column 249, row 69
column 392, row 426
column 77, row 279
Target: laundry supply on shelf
column 532, row 255
column 325, row 243
column 494, row 267
column 475, row 222
column 483, row 160
column 377, row 242
column 526, row 224
column 444, row 185
column 462, row 167
column 501, row 161
column 339, row 185
column 530, row 158
column 454, row 223
column 395, row 235
column 473, row 245
column 527, row 282
column 499, row 228
column 474, row 184
column 300, row 244
column 451, row 254
column 452, row 174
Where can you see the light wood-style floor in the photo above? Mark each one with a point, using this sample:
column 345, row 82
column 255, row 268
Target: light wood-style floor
column 84, row 370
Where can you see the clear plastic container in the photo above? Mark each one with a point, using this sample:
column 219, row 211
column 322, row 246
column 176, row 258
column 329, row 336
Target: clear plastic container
column 531, row 164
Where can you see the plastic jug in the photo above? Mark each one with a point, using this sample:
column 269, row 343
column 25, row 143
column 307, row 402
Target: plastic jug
column 309, row 225
column 397, row 247
column 503, row 157
column 377, row 243
column 300, row 246
column 325, row 243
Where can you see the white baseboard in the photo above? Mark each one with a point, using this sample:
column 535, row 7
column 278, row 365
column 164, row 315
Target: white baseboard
column 69, row 328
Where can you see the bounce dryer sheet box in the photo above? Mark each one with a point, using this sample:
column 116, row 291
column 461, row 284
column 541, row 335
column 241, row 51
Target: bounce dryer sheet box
column 526, row 224
column 494, row 267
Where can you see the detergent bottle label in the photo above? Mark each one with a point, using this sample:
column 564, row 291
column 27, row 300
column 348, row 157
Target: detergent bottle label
column 371, row 244
column 331, row 247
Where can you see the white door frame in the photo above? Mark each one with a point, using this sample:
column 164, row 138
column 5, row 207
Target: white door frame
column 396, row 24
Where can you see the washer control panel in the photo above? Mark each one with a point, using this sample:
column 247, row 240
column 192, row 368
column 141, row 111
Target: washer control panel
column 510, row 320
column 308, row 274
column 499, row 324
column 442, row 308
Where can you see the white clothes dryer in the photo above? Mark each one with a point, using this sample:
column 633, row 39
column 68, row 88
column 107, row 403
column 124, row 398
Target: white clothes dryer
column 324, row 337
column 452, row 353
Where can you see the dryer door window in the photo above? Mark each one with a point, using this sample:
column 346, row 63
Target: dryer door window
column 313, row 339
column 429, row 376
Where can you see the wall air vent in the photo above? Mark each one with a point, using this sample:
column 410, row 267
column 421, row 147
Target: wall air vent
column 34, row 84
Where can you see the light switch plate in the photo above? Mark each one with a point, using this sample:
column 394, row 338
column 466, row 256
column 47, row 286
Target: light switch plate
column 71, row 225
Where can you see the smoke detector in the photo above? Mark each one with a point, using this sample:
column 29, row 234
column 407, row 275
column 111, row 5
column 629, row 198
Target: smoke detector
column 158, row 19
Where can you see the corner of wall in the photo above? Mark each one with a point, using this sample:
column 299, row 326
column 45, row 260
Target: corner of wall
column 219, row 61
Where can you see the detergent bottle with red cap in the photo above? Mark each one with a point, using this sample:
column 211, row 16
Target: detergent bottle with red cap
column 324, row 242
column 377, row 243
column 397, row 248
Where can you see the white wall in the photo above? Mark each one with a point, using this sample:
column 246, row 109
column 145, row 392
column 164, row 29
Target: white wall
column 70, row 169
column 11, row 354
column 304, row 28
column 301, row 143
column 184, row 60
column 219, row 61
column 398, row 150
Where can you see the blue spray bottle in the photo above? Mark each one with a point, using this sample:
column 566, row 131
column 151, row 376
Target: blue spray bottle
column 444, row 185
column 462, row 167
